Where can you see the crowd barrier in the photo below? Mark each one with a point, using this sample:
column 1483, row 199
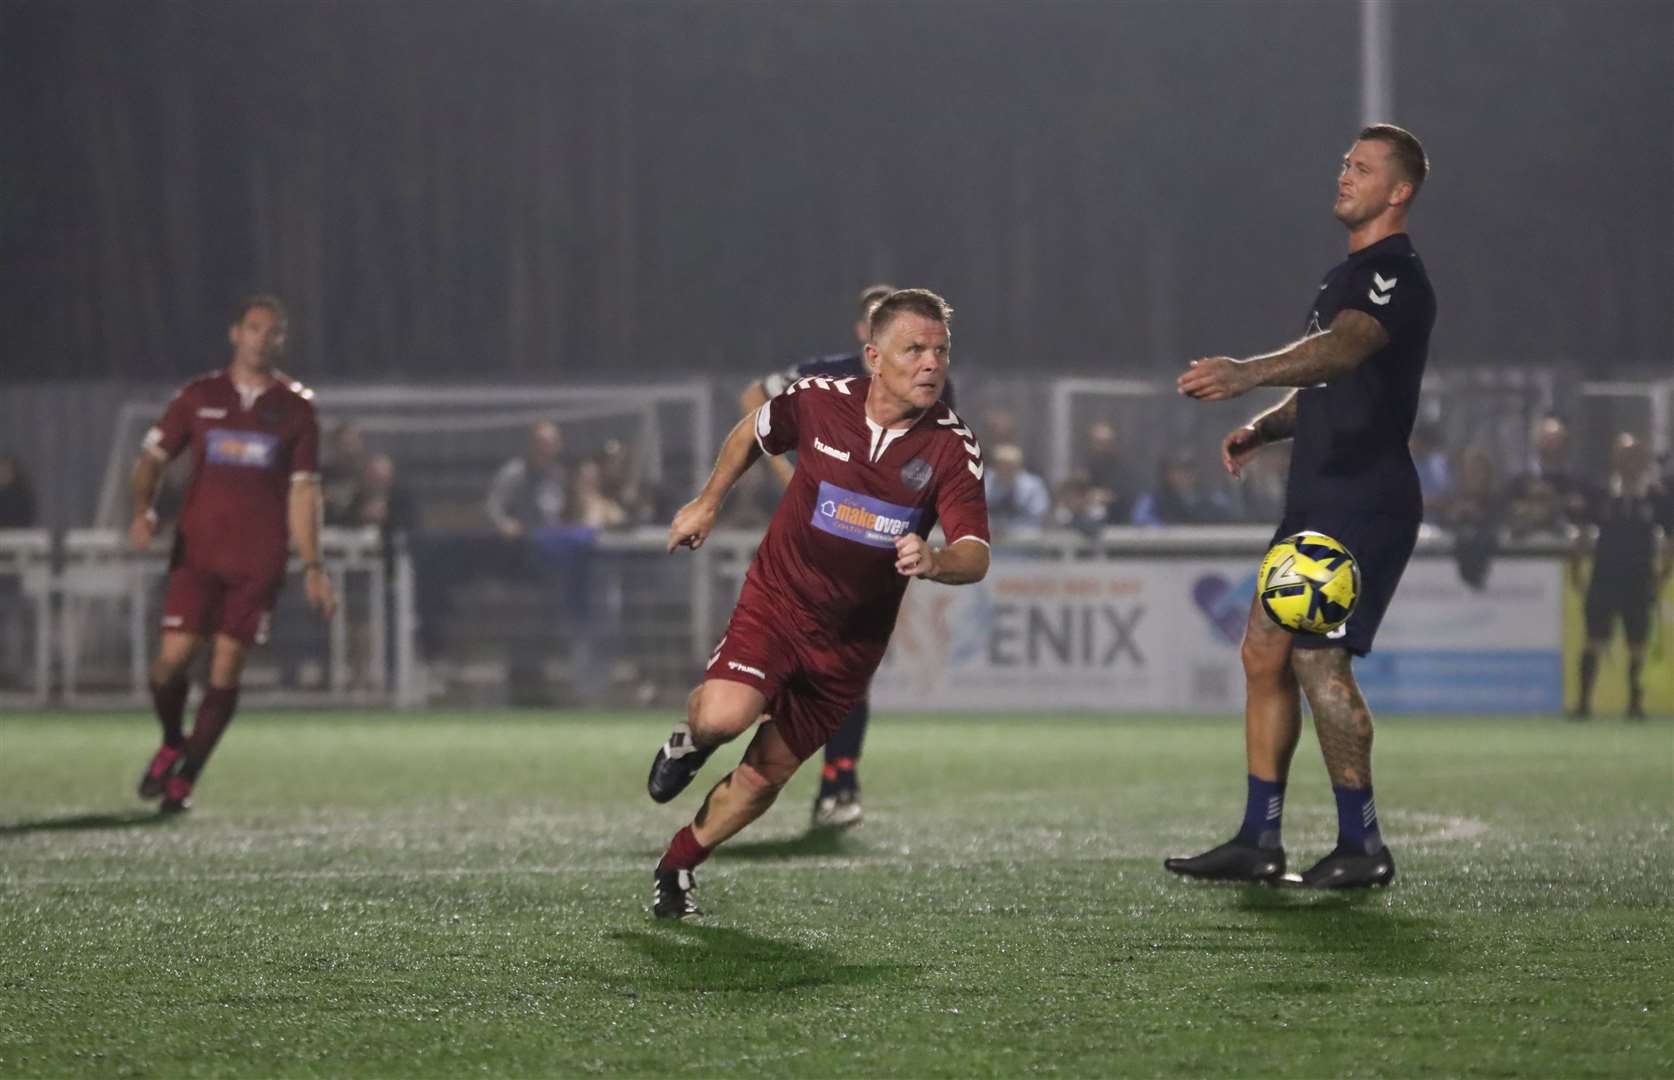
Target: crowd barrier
column 1141, row 620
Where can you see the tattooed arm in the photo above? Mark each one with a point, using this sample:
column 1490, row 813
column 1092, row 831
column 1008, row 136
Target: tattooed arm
column 1278, row 423
column 1319, row 358
column 1241, row 444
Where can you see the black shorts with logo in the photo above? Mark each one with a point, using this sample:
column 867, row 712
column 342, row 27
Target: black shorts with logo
column 1381, row 544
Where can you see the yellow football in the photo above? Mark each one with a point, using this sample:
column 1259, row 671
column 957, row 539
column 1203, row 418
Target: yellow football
column 1308, row 583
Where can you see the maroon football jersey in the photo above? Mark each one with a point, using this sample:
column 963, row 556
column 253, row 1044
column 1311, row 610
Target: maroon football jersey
column 244, row 453
column 830, row 550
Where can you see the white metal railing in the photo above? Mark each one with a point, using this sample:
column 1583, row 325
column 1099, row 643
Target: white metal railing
column 26, row 568
column 76, row 592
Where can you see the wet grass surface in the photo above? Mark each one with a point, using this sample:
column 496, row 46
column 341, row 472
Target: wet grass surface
column 441, row 895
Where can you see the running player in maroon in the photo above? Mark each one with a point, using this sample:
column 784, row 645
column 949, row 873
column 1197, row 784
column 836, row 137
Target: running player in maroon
column 254, row 443
column 880, row 460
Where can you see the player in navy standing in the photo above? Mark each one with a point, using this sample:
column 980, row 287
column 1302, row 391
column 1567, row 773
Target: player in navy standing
column 255, row 486
column 837, row 802
column 1357, row 371
column 881, row 460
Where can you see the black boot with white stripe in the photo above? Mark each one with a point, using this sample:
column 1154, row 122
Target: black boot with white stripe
column 677, row 761
column 671, row 896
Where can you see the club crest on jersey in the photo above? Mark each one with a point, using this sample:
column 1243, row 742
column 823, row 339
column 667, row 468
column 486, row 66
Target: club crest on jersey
column 862, row 518
column 916, row 473
column 250, row 449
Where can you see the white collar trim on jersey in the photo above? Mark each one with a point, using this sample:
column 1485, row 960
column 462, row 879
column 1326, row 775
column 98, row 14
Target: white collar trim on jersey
column 882, row 437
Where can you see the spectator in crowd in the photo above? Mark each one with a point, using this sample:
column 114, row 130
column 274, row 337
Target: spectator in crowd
column 1259, row 497
column 753, row 500
column 1429, row 456
column 527, row 502
column 17, row 497
column 1107, row 470
column 619, row 478
column 382, row 503
column 1665, row 480
column 343, row 465
column 1549, row 498
column 1000, row 427
column 1180, row 497
column 1080, row 506
column 589, row 505
column 1017, row 498
column 17, row 511
column 528, row 491
column 1474, row 514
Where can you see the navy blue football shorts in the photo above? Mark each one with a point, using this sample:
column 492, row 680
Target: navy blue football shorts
column 1380, row 544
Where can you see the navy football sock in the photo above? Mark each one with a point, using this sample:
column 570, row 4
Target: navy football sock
column 849, row 738
column 837, row 777
column 1357, row 820
column 1262, row 811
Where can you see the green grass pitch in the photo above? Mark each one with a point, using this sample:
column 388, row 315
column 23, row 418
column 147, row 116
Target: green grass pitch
column 449, row 895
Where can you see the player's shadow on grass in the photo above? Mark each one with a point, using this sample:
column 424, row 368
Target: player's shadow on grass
column 815, row 843
column 717, row 958
column 126, row 819
column 1350, row 928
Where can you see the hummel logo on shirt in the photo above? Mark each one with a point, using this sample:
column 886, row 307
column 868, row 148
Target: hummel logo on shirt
column 840, row 455
column 746, row 669
column 1382, row 289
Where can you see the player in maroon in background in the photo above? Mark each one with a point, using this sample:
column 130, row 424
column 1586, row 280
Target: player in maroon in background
column 255, row 483
column 879, row 461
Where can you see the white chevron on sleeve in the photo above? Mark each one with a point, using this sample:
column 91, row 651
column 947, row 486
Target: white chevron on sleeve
column 842, row 385
column 972, row 448
column 975, row 467
column 1382, row 284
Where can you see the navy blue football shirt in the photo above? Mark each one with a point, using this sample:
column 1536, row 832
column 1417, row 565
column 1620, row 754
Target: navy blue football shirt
column 1350, row 446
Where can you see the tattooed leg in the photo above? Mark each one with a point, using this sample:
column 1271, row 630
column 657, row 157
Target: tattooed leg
column 1344, row 725
column 1341, row 718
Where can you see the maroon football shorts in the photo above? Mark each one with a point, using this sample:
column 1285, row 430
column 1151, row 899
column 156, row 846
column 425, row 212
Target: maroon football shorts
column 810, row 683
column 204, row 602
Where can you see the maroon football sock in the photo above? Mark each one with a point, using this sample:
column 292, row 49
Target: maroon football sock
column 169, row 700
column 215, row 712
column 684, row 852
